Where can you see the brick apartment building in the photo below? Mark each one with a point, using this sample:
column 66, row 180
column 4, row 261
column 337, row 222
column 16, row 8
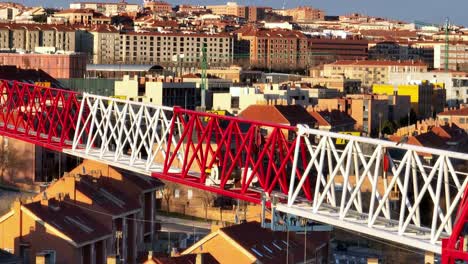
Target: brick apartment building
column 91, row 215
column 328, row 50
column 29, row 36
column 59, row 66
column 302, row 14
column 275, row 49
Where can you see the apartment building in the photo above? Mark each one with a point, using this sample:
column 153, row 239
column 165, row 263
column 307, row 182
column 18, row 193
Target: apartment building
column 327, row 50
column 230, row 9
column 402, row 50
column 82, row 17
column 106, row 45
column 109, row 9
column 275, row 49
column 29, row 36
column 303, row 14
column 166, row 49
column 173, row 48
column 157, row 6
column 457, row 55
column 372, row 72
column 458, row 117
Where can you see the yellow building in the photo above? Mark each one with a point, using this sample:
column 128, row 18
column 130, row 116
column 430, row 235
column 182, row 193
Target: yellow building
column 426, row 98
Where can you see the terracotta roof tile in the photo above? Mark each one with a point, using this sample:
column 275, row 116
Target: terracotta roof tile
column 456, row 112
column 265, row 244
column 279, row 114
column 70, row 220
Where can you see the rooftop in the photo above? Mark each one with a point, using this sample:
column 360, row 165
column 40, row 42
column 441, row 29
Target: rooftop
column 455, row 112
column 69, row 220
column 280, row 114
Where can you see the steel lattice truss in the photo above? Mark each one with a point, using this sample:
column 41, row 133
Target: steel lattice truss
column 43, row 116
column 439, row 187
column 132, row 135
column 366, row 185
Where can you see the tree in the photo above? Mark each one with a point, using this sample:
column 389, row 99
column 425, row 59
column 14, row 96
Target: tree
column 10, row 159
column 168, row 193
column 388, row 127
column 207, row 199
column 404, row 120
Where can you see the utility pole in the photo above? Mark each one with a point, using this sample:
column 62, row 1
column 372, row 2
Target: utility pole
column 204, row 66
column 447, row 44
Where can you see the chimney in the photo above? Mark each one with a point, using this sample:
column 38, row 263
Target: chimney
column 199, row 259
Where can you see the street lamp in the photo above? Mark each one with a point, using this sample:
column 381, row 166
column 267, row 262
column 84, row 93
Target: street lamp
column 380, row 124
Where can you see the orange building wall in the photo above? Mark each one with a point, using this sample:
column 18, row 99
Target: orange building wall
column 60, row 66
column 21, row 228
column 226, row 254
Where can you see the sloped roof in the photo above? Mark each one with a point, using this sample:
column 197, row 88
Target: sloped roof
column 332, row 118
column 104, row 195
column 69, row 220
column 455, row 112
column 279, row 114
column 271, row 247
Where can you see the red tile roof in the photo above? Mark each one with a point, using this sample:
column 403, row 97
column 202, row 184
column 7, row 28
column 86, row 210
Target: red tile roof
column 70, row 220
column 106, row 196
column 279, row 114
column 271, row 247
column 456, row 112
column 334, row 118
column 379, row 63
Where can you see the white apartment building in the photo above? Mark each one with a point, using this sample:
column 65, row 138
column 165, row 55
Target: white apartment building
column 109, row 9
column 163, row 49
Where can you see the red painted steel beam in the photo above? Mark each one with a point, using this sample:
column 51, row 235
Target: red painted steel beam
column 39, row 115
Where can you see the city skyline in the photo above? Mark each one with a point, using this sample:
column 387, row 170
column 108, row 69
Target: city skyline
column 388, row 9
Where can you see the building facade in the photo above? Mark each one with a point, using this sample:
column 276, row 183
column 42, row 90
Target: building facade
column 109, row 9
column 372, row 72
column 275, row 49
column 158, row 6
column 71, row 65
column 113, row 47
column 29, row 36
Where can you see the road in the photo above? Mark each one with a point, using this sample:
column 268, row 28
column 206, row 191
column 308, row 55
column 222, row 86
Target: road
column 172, row 224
